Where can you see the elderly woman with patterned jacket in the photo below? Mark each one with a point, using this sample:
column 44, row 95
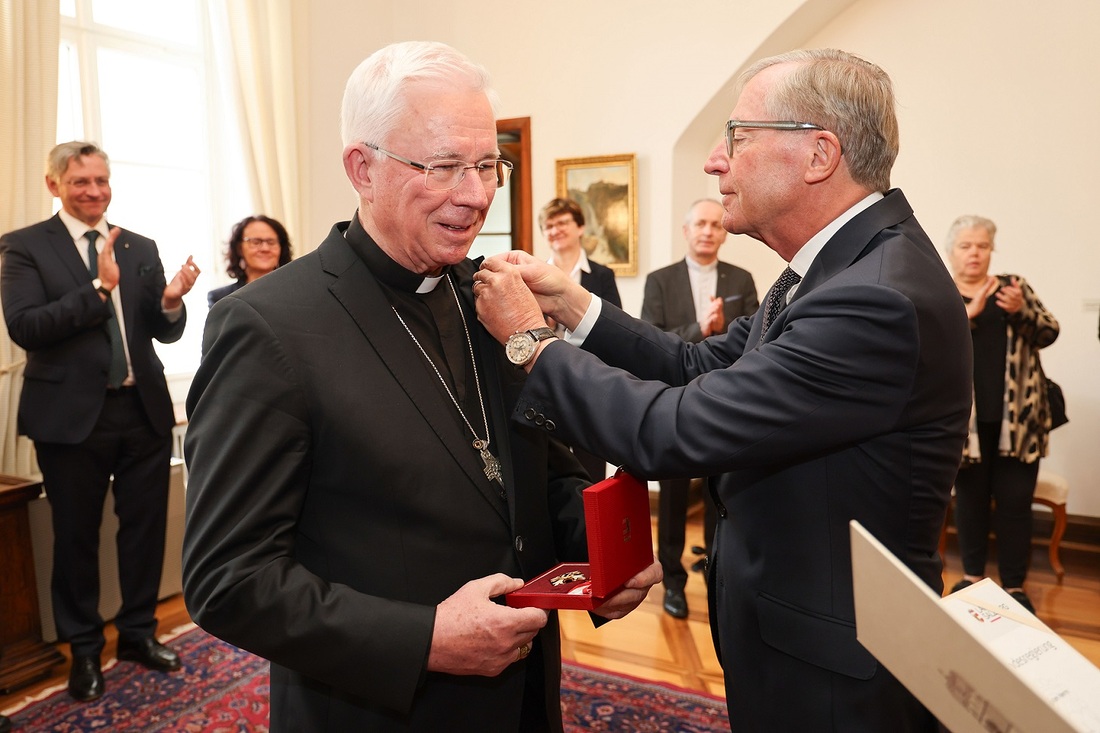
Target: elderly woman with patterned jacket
column 1010, row 422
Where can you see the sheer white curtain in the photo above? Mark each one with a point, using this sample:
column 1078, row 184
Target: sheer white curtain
column 252, row 42
column 29, row 37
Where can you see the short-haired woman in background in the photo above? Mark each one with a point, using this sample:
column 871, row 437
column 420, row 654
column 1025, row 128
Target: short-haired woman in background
column 1010, row 424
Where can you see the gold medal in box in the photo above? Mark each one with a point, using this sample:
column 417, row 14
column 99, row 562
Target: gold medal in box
column 620, row 545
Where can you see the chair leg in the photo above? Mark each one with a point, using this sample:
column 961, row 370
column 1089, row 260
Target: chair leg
column 1056, row 540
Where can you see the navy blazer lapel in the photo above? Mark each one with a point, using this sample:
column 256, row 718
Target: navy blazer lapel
column 363, row 298
column 854, row 239
column 850, row 243
column 62, row 244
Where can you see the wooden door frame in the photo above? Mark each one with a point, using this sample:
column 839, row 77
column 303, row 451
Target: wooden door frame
column 514, row 139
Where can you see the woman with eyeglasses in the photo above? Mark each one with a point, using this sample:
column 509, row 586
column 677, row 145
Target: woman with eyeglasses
column 257, row 245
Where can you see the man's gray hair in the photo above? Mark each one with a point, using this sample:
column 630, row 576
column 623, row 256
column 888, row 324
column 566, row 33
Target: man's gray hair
column 846, row 95
column 57, row 162
column 687, row 214
column 373, row 100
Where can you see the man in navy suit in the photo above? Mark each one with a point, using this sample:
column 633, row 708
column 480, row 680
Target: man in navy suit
column 86, row 300
column 845, row 397
column 695, row 298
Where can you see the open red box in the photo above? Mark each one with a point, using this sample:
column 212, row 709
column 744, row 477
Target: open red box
column 620, row 545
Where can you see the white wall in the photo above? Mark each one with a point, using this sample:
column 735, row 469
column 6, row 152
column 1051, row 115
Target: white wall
column 999, row 109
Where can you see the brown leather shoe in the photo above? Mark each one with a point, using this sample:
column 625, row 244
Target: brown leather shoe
column 150, row 653
column 86, row 679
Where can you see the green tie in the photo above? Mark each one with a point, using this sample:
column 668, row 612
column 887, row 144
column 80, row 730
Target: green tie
column 117, row 373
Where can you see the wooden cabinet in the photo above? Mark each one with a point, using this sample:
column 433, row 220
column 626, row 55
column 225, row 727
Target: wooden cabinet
column 24, row 657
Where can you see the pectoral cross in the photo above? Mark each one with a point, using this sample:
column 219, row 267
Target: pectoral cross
column 492, row 465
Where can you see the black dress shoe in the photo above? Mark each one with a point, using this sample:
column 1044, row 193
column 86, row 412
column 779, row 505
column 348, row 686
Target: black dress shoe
column 676, row 604
column 85, row 679
column 964, row 583
column 150, row 653
column 1021, row 598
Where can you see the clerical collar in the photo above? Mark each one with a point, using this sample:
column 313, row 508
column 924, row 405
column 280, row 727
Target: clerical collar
column 699, row 267
column 383, row 267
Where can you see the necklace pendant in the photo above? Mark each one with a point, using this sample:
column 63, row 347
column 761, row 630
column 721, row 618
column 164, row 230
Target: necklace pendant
column 492, row 465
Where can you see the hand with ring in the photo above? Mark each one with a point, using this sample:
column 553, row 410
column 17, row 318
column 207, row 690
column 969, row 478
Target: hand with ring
column 524, row 650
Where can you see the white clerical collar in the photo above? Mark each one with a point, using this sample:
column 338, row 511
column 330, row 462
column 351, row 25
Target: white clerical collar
column 429, row 283
column 699, row 267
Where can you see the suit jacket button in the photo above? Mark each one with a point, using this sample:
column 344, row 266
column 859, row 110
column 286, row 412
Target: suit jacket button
column 550, row 425
column 540, row 419
column 530, row 413
column 503, row 495
column 519, row 543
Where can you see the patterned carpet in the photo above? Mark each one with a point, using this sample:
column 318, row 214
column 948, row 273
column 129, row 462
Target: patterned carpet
column 222, row 688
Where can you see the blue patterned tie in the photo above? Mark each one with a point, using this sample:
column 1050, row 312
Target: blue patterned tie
column 117, row 373
column 777, row 298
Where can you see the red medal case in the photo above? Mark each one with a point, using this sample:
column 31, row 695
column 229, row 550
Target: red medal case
column 620, row 545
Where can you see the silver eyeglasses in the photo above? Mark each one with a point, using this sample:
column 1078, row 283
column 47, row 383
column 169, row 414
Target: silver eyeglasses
column 443, row 175
column 258, row 242
column 732, row 125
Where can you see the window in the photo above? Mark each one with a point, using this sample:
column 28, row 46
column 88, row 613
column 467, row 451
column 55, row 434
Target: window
column 136, row 77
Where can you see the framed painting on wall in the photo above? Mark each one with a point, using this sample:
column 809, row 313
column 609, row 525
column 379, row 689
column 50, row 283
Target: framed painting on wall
column 605, row 188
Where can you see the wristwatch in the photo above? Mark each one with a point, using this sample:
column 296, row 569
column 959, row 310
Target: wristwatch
column 521, row 345
column 98, row 285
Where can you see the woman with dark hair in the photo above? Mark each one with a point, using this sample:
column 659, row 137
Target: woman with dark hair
column 257, row 245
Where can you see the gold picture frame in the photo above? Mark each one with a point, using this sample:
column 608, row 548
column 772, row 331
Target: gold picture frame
column 605, row 187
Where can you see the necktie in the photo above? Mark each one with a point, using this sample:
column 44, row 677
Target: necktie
column 777, row 298
column 117, row 372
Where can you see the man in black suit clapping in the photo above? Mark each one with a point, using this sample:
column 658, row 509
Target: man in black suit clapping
column 86, row 301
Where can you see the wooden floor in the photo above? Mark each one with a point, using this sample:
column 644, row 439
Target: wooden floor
column 652, row 645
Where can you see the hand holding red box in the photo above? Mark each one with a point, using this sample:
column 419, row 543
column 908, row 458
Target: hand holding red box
column 620, row 545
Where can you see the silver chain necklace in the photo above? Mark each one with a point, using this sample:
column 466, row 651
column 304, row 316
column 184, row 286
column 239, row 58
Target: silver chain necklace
column 492, row 465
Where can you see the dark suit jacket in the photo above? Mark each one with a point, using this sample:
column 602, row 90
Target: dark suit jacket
column 854, row 407
column 218, row 293
column 53, row 312
column 601, row 282
column 669, row 304
column 334, row 499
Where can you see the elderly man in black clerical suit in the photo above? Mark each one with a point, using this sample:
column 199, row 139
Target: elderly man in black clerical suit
column 695, row 298
column 86, row 300
column 846, row 396
column 357, row 499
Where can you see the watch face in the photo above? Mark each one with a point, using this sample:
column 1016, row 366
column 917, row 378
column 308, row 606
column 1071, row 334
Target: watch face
column 520, row 348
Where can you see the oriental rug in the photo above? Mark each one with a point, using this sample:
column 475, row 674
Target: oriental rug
column 223, row 689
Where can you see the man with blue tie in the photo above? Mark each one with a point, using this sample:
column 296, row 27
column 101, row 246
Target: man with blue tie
column 85, row 301
column 846, row 397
